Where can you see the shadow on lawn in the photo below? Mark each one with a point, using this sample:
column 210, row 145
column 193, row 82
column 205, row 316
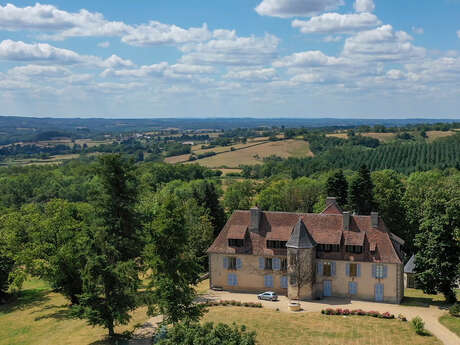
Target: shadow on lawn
column 63, row 312
column 26, row 299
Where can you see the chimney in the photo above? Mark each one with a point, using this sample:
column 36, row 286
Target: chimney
column 255, row 219
column 331, row 201
column 346, row 221
column 375, row 219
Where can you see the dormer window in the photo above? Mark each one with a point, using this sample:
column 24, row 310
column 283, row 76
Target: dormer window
column 354, row 249
column 276, row 244
column 237, row 243
column 328, row 248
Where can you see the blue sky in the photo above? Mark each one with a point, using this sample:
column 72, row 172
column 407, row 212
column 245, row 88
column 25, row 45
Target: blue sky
column 257, row 58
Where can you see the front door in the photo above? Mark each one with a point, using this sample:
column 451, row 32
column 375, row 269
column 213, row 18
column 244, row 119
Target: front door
column 379, row 292
column 327, row 288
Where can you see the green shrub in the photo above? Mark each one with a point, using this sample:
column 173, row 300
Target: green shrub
column 455, row 310
column 418, row 325
column 194, row 333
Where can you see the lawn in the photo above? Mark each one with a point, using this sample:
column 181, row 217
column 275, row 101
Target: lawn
column 255, row 154
column 416, row 298
column 41, row 317
column 451, row 322
column 276, row 328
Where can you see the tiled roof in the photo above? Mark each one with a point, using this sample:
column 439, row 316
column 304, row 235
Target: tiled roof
column 237, row 231
column 323, row 228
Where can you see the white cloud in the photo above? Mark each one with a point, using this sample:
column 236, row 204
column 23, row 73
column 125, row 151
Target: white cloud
column 337, row 23
column 296, row 8
column 382, row 44
column 263, row 74
column 158, row 33
column 39, row 71
column 364, row 5
column 43, row 52
column 312, row 58
column 332, row 38
column 105, row 44
column 458, row 33
column 308, row 78
column 227, row 48
column 417, row 30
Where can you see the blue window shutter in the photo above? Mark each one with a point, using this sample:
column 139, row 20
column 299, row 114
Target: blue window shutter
column 225, row 262
column 261, row 263
column 352, row 288
column 333, row 269
column 239, row 264
column 271, row 281
column 319, row 268
column 358, row 270
column 284, row 282
column 385, row 271
column 374, row 271
column 276, row 264
column 235, row 280
column 348, row 270
column 266, row 281
column 230, row 279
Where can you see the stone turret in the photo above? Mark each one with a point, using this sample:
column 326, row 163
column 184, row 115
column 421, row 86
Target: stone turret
column 301, row 252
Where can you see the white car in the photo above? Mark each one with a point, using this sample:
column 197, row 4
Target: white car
column 268, row 296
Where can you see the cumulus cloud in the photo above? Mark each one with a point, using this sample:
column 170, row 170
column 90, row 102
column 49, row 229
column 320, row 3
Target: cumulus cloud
column 296, row 8
column 382, row 44
column 364, row 5
column 226, row 48
column 263, row 74
column 42, row 52
column 62, row 24
column 105, row 44
column 39, row 71
column 337, row 23
column 312, row 58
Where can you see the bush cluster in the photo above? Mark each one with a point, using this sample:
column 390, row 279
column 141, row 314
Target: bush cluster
column 455, row 310
column 360, row 312
column 419, row 325
column 233, row 303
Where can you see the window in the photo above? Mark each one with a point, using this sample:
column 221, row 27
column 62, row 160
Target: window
column 268, row 263
column 232, row 280
column 327, row 269
column 354, row 249
column 380, row 271
column 268, row 281
column 353, row 270
column 232, row 263
column 284, row 265
column 293, row 279
column 284, row 282
column 276, row 244
column 292, row 260
column 235, row 243
column 328, row 248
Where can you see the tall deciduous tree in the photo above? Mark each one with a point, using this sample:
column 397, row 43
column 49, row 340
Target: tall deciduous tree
column 337, row 186
column 389, row 192
column 437, row 261
column 239, row 195
column 111, row 275
column 172, row 264
column 361, row 192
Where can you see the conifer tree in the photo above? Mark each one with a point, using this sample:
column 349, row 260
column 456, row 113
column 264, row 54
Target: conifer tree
column 361, row 196
column 111, row 275
column 337, row 186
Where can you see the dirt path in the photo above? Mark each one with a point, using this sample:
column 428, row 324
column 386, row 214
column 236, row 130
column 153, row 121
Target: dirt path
column 429, row 314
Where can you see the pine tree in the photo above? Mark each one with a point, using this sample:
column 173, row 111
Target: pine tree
column 111, row 275
column 337, row 186
column 361, row 196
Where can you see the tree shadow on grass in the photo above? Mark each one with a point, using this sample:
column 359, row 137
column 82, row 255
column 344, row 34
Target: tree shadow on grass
column 63, row 313
column 425, row 302
column 26, row 299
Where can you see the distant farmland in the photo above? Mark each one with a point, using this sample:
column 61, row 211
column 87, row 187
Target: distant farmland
column 256, row 154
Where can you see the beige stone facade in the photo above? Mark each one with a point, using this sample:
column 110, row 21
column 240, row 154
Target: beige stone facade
column 250, row 278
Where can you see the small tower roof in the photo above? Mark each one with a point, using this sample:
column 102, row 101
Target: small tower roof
column 410, row 266
column 300, row 237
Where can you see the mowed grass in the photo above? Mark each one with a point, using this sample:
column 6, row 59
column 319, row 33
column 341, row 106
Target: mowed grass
column 41, row 317
column 451, row 322
column 383, row 137
column 276, row 328
column 256, row 154
column 417, row 298
column 433, row 135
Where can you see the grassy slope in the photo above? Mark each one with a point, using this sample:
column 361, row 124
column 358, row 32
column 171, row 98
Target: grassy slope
column 41, row 317
column 451, row 322
column 414, row 297
column 275, row 328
